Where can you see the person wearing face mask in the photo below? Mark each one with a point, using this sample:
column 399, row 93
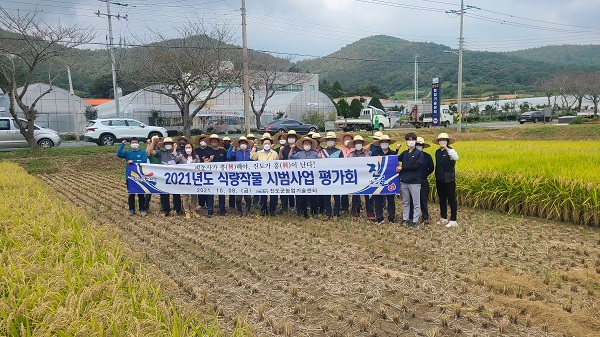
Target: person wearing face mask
column 189, row 201
column 242, row 153
column 166, row 157
column 306, row 150
column 267, row 153
column 203, row 153
column 151, row 160
column 287, row 201
column 383, row 143
column 217, row 154
column 445, row 179
column 410, row 180
column 345, row 139
column 134, row 155
column 181, row 141
column 229, row 148
column 376, row 136
column 331, row 151
column 426, row 170
column 360, row 145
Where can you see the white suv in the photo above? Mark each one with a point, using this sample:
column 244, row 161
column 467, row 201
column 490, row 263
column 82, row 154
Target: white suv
column 109, row 131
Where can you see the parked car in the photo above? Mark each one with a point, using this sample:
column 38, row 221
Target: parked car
column 109, row 131
column 534, row 116
column 285, row 125
column 11, row 137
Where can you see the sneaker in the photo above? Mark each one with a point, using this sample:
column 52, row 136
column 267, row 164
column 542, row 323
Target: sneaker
column 142, row 213
column 132, row 212
column 405, row 223
column 210, row 214
column 452, row 224
column 380, row 222
column 354, row 217
column 188, row 215
column 166, row 214
column 179, row 213
column 195, row 214
column 372, row 218
column 426, row 221
column 442, row 222
column 413, row 225
column 392, row 220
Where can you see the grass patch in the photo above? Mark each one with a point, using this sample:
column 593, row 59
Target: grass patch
column 62, row 276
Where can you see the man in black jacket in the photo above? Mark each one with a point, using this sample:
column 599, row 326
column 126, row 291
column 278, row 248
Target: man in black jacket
column 383, row 149
column 410, row 180
column 445, row 160
column 426, row 170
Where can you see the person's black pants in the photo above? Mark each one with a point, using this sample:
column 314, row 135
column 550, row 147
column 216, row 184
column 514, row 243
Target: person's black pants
column 380, row 202
column 357, row 205
column 202, row 200
column 447, row 194
column 336, row 205
column 165, row 202
column 304, row 201
column 424, row 201
column 232, row 201
column 272, row 205
column 210, row 203
column 141, row 202
column 345, row 203
column 287, row 202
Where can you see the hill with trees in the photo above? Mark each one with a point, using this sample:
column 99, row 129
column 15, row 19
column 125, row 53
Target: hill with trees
column 569, row 55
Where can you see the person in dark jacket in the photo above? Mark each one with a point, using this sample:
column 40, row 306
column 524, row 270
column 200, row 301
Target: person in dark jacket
column 360, row 150
column 445, row 160
column 134, row 155
column 410, row 180
column 331, row 151
column 217, row 154
column 383, row 149
column 285, row 151
column 426, row 170
column 166, row 157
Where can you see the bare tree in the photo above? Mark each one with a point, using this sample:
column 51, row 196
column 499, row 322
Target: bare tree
column 36, row 44
column 194, row 68
column 268, row 75
column 592, row 84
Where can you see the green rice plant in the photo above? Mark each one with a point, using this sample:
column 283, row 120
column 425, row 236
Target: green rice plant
column 62, row 276
column 555, row 180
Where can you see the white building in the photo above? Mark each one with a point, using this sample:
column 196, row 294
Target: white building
column 58, row 110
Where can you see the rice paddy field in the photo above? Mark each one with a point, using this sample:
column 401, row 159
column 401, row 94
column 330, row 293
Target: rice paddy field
column 525, row 260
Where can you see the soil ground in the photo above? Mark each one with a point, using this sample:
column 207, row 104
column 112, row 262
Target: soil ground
column 495, row 274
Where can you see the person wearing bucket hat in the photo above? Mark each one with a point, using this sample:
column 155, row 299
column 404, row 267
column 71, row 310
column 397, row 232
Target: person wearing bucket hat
column 134, row 155
column 445, row 177
column 189, row 201
column 345, row 139
column 374, row 147
column 281, row 139
column 229, row 148
column 317, row 136
column 203, row 152
column 266, row 154
column 359, row 144
column 288, row 201
column 426, row 170
column 410, row 180
column 241, row 153
column 383, row 143
column 307, row 147
column 332, row 152
column 217, row 155
column 166, row 157
column 181, row 141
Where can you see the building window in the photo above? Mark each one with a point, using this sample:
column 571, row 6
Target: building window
column 290, row 87
column 312, row 87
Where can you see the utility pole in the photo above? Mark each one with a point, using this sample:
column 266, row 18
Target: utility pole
column 111, row 49
column 416, row 79
column 246, row 73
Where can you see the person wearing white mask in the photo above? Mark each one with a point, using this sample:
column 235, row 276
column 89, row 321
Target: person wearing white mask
column 382, row 145
column 189, row 201
column 242, row 153
column 410, row 180
column 426, row 170
column 345, row 139
column 331, row 151
column 166, row 157
column 285, row 151
column 307, row 147
column 360, row 150
column 203, row 152
column 217, row 155
column 134, row 155
column 267, row 153
column 445, row 177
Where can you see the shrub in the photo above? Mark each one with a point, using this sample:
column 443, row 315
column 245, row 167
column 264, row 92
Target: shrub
column 172, row 133
column 70, row 136
column 315, row 118
column 91, row 113
column 195, row 132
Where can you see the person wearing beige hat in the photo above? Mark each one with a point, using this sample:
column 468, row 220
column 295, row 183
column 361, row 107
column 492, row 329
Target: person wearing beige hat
column 227, row 146
column 217, row 155
column 189, row 201
column 306, row 150
column 166, row 157
column 426, row 170
column 445, row 177
column 331, row 151
column 285, row 150
column 383, row 142
column 317, row 136
column 241, row 152
column 374, row 147
column 345, row 139
column 359, row 144
column 265, row 154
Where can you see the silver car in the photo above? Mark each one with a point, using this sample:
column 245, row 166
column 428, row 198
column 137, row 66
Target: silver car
column 11, row 137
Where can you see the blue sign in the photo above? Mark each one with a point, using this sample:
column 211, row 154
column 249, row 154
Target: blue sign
column 435, row 102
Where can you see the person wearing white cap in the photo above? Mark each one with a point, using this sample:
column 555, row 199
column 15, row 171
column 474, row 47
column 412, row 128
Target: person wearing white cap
column 383, row 143
column 426, row 170
column 166, row 157
column 331, row 152
column 359, row 144
column 445, row 177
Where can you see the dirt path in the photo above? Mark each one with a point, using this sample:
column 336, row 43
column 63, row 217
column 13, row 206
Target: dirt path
column 494, row 275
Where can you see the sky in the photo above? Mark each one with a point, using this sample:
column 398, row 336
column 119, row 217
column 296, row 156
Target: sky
column 302, row 29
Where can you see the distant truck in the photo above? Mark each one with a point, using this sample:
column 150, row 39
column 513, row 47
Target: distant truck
column 420, row 116
column 370, row 118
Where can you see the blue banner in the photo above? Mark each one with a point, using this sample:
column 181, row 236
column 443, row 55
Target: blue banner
column 435, row 102
column 369, row 175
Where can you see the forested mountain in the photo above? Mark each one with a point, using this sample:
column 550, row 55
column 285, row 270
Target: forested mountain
column 570, row 55
column 389, row 62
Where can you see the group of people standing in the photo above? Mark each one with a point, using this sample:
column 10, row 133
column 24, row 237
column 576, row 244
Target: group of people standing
column 414, row 168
